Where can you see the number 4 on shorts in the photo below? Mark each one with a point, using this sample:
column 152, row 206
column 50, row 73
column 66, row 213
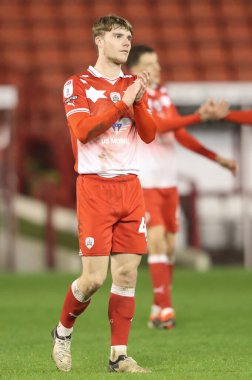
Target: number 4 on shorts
column 142, row 228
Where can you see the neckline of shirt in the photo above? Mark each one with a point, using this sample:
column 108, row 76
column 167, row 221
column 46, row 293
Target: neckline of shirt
column 97, row 74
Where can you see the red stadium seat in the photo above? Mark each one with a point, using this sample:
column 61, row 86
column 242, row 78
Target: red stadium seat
column 235, row 10
column 137, row 11
column 14, row 35
column 242, row 55
column 218, row 73
column 184, row 73
column 12, row 11
column 48, row 56
column 171, row 12
column 212, row 54
column 17, row 57
column 46, row 34
column 200, row 10
column 51, row 79
column 80, row 58
column 78, row 34
column 238, row 32
column 244, row 73
column 43, row 11
column 180, row 56
column 206, row 32
column 71, row 12
column 147, row 35
column 174, row 35
column 101, row 8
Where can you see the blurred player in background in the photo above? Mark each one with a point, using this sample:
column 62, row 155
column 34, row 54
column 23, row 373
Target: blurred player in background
column 158, row 176
column 106, row 112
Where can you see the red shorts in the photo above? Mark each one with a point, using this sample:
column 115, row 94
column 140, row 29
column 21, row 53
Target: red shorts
column 161, row 208
column 110, row 215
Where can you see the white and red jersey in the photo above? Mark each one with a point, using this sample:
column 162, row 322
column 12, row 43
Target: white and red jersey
column 113, row 152
column 158, row 168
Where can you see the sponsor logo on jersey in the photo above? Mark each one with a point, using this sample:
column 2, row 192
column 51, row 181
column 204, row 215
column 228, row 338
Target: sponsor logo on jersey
column 115, row 97
column 89, row 242
column 115, row 141
column 121, row 125
column 68, row 88
column 71, row 98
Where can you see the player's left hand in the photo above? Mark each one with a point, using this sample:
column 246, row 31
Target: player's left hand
column 228, row 164
column 144, row 78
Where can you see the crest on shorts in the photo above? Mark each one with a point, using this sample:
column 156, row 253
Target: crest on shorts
column 115, row 97
column 89, row 242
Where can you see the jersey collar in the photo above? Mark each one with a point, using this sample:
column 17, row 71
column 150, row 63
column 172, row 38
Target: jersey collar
column 96, row 73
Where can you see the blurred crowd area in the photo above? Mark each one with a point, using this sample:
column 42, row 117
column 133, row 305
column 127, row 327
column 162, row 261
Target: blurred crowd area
column 44, row 42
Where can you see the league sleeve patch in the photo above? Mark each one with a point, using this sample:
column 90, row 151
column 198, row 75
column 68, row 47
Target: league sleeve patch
column 71, row 98
column 68, row 88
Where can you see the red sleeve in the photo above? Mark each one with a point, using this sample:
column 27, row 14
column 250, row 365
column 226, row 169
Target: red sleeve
column 191, row 143
column 84, row 126
column 173, row 120
column 240, row 117
column 145, row 124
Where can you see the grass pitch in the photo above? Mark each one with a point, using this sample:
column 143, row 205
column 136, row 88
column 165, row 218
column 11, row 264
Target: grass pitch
column 212, row 340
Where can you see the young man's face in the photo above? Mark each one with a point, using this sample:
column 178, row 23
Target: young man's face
column 150, row 63
column 115, row 45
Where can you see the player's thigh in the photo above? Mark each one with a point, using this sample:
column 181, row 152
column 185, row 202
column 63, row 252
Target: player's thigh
column 124, row 268
column 93, row 265
column 156, row 240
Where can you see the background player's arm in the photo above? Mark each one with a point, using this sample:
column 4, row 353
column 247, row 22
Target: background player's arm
column 240, row 117
column 220, row 110
column 174, row 121
column 191, row 143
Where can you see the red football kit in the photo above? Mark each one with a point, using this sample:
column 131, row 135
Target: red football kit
column 104, row 134
column 158, row 171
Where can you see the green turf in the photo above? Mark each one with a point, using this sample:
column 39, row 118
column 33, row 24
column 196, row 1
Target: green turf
column 212, row 340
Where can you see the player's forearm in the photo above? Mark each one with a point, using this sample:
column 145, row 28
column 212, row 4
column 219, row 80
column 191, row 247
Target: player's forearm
column 175, row 122
column 87, row 128
column 240, row 117
column 189, row 142
column 145, row 124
